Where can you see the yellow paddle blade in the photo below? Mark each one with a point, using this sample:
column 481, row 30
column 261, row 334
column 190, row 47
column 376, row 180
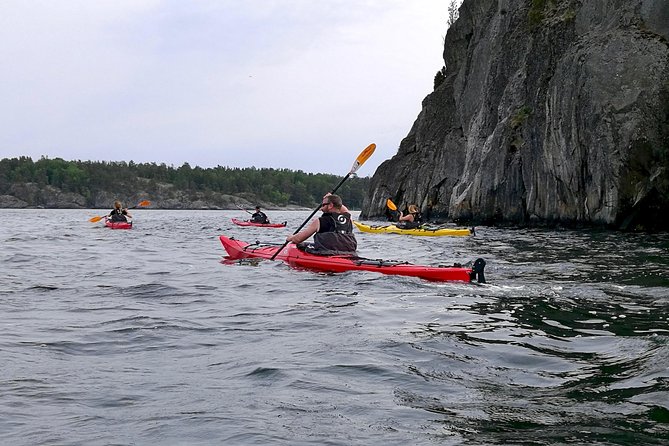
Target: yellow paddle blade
column 364, row 156
column 391, row 205
column 96, row 219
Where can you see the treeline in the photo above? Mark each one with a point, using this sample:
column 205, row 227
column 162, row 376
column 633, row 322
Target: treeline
column 91, row 178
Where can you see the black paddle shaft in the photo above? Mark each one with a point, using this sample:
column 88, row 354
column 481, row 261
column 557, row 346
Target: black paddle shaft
column 310, row 216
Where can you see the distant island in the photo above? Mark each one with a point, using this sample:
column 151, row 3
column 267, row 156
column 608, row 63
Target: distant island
column 60, row 184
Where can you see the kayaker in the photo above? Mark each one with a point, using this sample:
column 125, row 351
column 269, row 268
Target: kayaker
column 259, row 217
column 119, row 213
column 332, row 231
column 411, row 220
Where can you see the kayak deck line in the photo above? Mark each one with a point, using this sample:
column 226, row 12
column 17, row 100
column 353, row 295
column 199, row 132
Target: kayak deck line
column 379, row 262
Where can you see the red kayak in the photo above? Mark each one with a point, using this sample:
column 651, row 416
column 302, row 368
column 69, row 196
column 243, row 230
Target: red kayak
column 118, row 224
column 262, row 225
column 339, row 263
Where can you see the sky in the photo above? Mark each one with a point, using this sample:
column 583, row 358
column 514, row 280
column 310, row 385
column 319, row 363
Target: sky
column 296, row 84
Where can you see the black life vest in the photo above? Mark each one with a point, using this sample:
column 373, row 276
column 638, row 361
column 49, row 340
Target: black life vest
column 335, row 233
column 259, row 217
column 118, row 215
column 416, row 223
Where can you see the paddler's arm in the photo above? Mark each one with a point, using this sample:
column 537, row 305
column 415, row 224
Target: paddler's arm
column 407, row 217
column 304, row 234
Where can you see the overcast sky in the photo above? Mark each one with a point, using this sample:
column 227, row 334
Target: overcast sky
column 297, row 84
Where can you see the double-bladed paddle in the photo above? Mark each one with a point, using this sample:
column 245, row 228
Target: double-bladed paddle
column 245, row 210
column 395, row 213
column 100, row 217
column 359, row 161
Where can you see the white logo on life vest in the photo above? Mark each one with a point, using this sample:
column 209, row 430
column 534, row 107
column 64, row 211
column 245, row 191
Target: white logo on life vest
column 342, row 219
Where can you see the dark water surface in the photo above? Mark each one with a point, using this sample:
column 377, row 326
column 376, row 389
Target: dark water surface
column 144, row 337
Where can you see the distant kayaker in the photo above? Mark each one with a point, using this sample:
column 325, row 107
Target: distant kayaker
column 332, row 231
column 411, row 220
column 119, row 213
column 259, row 217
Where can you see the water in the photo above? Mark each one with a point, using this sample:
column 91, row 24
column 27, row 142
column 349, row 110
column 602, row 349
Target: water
column 144, row 337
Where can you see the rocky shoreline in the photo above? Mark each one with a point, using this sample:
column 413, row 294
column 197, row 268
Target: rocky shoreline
column 31, row 196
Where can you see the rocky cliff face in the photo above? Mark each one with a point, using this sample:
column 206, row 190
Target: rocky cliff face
column 551, row 112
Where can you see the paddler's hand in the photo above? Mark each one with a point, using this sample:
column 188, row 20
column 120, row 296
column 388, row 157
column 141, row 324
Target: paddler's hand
column 289, row 238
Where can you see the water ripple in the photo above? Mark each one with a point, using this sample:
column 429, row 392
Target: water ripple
column 144, row 336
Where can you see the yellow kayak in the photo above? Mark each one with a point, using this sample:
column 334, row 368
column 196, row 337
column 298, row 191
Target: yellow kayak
column 392, row 229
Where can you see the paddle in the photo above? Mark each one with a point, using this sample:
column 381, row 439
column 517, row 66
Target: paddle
column 243, row 209
column 359, row 161
column 394, row 214
column 100, row 217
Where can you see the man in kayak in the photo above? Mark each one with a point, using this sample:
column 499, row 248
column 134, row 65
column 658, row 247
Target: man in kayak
column 332, row 231
column 119, row 213
column 259, row 217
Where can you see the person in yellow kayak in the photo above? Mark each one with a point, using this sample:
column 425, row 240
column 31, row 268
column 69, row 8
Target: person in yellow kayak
column 332, row 231
column 119, row 213
column 411, row 220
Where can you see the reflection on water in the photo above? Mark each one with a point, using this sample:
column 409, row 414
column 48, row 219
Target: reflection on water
column 145, row 337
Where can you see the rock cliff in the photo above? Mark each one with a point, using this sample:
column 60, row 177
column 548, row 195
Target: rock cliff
column 550, row 112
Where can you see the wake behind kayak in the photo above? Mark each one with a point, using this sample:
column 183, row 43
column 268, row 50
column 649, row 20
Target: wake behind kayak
column 297, row 258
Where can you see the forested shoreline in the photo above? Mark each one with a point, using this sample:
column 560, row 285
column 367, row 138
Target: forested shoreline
column 57, row 183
